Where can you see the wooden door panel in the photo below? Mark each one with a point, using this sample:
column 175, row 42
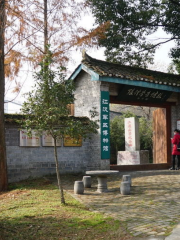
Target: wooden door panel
column 159, row 136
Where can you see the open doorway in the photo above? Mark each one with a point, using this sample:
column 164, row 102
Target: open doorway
column 159, row 131
column 144, row 116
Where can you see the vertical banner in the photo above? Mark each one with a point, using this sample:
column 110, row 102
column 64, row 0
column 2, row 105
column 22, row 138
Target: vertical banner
column 105, row 128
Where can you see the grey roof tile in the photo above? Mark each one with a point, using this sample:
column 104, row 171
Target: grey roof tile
column 104, row 68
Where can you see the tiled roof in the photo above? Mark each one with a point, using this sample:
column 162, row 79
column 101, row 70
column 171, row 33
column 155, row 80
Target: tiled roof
column 108, row 69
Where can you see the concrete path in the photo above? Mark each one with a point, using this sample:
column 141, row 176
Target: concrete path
column 151, row 212
column 175, row 235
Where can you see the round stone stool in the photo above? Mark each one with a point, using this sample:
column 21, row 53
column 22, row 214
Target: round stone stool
column 78, row 187
column 127, row 178
column 87, row 181
column 125, row 188
column 102, row 184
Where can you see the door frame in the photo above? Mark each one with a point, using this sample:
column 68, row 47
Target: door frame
column 156, row 166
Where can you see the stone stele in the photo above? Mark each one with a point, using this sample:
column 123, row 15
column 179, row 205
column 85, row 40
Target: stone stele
column 132, row 155
column 132, row 141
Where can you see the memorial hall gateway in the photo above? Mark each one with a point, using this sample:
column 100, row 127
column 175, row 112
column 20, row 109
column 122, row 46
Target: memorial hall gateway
column 98, row 84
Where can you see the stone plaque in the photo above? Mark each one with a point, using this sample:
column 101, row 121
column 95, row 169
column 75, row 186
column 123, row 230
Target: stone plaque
column 128, row 158
column 29, row 141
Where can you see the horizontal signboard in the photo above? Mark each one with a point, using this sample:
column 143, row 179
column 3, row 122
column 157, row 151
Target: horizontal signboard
column 141, row 94
column 48, row 141
column 72, row 142
column 29, row 141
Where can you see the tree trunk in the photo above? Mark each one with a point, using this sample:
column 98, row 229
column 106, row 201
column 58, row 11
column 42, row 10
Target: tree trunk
column 3, row 164
column 45, row 27
column 116, row 147
column 58, row 174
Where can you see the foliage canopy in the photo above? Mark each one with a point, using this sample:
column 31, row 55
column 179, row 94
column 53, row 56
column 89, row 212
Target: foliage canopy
column 30, row 25
column 46, row 106
column 131, row 22
column 46, row 109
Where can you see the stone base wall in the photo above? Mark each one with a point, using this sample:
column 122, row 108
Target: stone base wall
column 25, row 162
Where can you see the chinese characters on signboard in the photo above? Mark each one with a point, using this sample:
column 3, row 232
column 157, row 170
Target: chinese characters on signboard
column 132, row 141
column 144, row 94
column 132, row 93
column 129, row 134
column 105, row 132
column 72, row 142
column 128, row 158
column 29, row 141
column 48, row 141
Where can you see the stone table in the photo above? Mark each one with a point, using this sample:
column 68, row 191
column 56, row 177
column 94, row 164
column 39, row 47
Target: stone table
column 102, row 178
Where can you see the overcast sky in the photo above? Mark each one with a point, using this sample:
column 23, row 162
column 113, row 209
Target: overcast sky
column 161, row 58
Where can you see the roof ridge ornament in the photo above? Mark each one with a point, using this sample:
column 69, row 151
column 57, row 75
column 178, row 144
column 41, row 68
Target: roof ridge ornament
column 85, row 56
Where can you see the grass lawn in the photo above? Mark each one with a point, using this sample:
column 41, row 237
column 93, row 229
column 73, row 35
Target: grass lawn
column 32, row 210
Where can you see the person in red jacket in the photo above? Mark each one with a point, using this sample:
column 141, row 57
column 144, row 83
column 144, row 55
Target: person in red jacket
column 175, row 153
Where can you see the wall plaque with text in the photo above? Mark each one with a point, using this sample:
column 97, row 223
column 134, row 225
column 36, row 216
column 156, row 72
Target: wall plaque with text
column 72, row 142
column 48, row 141
column 29, row 141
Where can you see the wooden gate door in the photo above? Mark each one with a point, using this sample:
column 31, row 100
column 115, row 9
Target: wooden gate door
column 159, row 136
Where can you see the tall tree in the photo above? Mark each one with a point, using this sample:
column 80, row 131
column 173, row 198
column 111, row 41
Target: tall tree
column 3, row 167
column 8, row 57
column 57, row 23
column 132, row 22
column 46, row 110
column 29, row 27
column 33, row 24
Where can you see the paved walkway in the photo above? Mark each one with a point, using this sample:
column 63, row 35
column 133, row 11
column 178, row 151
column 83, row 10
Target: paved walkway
column 152, row 210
